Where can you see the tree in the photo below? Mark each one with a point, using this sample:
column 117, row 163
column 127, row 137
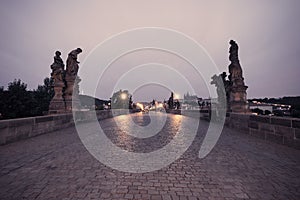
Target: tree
column 42, row 96
column 267, row 112
column 120, row 100
column 130, row 106
column 16, row 101
column 258, row 111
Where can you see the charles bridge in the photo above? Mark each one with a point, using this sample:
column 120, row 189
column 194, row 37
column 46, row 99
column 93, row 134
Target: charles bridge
column 56, row 165
column 44, row 157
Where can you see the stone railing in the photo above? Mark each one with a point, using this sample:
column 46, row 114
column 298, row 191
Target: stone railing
column 203, row 114
column 281, row 130
column 174, row 111
column 15, row 129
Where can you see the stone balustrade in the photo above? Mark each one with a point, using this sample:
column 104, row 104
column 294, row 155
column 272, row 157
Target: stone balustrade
column 15, row 129
column 281, row 130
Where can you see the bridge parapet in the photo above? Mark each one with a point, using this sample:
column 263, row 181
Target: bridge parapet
column 280, row 130
column 16, row 129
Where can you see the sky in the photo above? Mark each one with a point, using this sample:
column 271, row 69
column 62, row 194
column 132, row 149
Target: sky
column 267, row 32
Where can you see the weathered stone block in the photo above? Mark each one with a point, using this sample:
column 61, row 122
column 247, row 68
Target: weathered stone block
column 57, row 122
column 17, row 133
column 3, row 135
column 295, row 143
column 257, row 133
column 4, row 124
column 266, row 127
column 296, row 123
column 43, row 119
column 285, row 131
column 281, row 121
column 275, row 138
column 21, row 122
column 297, row 133
column 263, row 119
column 68, row 118
column 59, row 117
column 243, row 117
column 253, row 125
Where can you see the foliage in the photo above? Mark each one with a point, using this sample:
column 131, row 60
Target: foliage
column 92, row 103
column 258, row 111
column 120, row 100
column 16, row 101
column 43, row 95
column 267, row 112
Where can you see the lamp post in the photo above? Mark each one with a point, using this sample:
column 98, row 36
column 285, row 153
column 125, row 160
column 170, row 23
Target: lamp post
column 123, row 96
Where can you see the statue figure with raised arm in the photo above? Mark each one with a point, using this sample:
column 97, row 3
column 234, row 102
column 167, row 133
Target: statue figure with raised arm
column 71, row 94
column 72, row 62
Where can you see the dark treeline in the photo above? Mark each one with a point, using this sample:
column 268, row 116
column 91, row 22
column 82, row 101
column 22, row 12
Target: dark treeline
column 17, row 101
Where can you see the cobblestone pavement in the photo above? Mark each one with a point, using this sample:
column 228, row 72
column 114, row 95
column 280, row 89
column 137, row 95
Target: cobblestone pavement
column 57, row 166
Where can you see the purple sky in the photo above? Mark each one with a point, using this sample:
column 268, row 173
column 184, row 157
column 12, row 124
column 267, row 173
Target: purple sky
column 266, row 31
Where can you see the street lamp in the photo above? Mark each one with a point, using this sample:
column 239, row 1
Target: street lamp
column 176, row 96
column 123, row 96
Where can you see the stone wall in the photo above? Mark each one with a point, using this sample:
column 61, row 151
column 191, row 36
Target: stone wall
column 203, row 114
column 281, row 130
column 15, row 129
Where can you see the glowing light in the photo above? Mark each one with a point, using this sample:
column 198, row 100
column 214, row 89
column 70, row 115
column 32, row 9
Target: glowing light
column 176, row 96
column 123, row 96
column 160, row 105
column 141, row 106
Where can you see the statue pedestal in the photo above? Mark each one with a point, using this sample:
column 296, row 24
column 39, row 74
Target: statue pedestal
column 238, row 99
column 57, row 104
column 56, row 107
column 72, row 104
column 72, row 101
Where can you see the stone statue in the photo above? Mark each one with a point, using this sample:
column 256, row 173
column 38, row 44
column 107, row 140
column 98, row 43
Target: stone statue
column 227, row 87
column 72, row 63
column 66, row 83
column 57, row 68
column 227, row 83
column 233, row 51
column 57, row 104
column 235, row 69
column 236, row 91
column 217, row 80
column 71, row 92
column 171, row 101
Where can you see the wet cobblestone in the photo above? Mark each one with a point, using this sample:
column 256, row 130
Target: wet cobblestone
column 57, row 166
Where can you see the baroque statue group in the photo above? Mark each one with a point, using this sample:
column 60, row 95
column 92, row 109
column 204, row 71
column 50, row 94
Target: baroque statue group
column 66, row 83
column 232, row 91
